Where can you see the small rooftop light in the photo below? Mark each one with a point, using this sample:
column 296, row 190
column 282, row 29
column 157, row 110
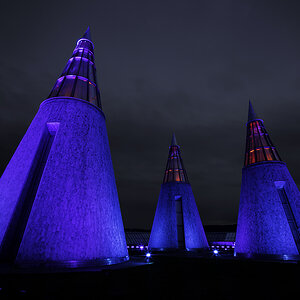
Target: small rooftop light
column 216, row 252
column 142, row 247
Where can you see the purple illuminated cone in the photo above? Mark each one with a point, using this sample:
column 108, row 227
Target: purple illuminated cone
column 269, row 219
column 58, row 198
column 177, row 224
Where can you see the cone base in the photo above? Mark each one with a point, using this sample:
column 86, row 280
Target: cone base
column 258, row 256
column 71, row 264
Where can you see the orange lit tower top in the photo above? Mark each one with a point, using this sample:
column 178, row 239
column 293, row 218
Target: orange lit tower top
column 175, row 171
column 259, row 146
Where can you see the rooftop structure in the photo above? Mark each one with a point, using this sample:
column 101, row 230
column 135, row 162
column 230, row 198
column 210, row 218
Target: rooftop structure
column 219, row 237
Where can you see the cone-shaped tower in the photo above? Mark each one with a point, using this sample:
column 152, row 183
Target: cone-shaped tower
column 177, row 224
column 58, row 197
column 269, row 219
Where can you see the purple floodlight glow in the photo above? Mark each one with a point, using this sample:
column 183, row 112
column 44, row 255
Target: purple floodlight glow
column 177, row 223
column 78, row 58
column 84, row 40
column 269, row 211
column 82, row 49
column 164, row 228
column 262, row 226
column 74, row 216
column 58, row 196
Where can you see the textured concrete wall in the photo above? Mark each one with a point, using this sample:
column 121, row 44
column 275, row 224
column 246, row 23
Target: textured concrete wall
column 262, row 225
column 76, row 213
column 164, row 229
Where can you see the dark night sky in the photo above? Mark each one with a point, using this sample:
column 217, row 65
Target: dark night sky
column 183, row 66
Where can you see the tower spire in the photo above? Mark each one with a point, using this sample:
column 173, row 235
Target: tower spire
column 87, row 34
column 251, row 113
column 259, row 146
column 78, row 79
column 174, row 142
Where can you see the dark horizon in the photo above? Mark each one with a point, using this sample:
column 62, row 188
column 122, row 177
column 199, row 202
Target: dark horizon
column 183, row 67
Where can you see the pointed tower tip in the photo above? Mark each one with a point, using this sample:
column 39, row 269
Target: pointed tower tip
column 251, row 114
column 174, row 142
column 87, row 34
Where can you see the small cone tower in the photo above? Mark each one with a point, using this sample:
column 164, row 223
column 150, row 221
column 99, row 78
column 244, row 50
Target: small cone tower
column 269, row 219
column 58, row 198
column 177, row 224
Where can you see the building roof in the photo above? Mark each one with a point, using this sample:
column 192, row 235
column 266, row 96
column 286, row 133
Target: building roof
column 220, row 234
column 137, row 237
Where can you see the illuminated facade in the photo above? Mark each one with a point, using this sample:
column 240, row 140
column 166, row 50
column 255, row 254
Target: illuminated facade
column 177, row 224
column 269, row 219
column 58, row 198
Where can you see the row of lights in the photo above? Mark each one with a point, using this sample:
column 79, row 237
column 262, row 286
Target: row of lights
column 222, row 247
column 215, row 249
column 142, row 247
column 137, row 247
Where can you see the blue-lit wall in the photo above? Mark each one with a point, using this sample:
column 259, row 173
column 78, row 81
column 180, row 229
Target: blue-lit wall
column 262, row 223
column 164, row 229
column 75, row 215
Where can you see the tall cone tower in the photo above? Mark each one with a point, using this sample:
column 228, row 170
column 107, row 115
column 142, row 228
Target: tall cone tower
column 58, row 198
column 177, row 224
column 269, row 219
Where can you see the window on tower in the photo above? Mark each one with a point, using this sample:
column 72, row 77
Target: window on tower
column 78, row 78
column 258, row 144
column 175, row 171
